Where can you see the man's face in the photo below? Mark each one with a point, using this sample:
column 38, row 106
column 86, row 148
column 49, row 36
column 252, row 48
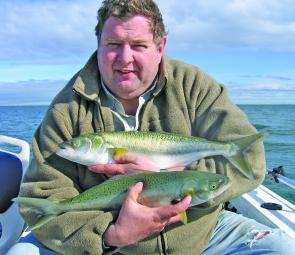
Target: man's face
column 128, row 58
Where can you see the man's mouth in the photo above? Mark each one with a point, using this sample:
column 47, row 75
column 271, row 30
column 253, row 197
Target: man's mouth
column 125, row 71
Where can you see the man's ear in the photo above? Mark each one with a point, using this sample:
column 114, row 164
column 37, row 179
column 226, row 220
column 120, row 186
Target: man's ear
column 162, row 45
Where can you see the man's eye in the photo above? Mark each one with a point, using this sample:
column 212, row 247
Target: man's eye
column 139, row 46
column 113, row 45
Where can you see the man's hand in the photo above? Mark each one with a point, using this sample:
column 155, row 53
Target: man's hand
column 128, row 163
column 136, row 221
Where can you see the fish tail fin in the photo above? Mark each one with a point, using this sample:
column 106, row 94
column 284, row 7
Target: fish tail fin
column 41, row 222
column 242, row 145
column 44, row 207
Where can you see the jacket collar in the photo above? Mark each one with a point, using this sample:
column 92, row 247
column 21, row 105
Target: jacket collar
column 87, row 83
column 163, row 76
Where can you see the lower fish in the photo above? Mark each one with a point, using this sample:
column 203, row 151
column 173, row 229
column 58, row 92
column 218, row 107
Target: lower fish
column 159, row 188
column 166, row 150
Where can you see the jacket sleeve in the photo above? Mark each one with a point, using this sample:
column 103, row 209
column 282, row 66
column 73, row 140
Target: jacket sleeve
column 51, row 177
column 215, row 117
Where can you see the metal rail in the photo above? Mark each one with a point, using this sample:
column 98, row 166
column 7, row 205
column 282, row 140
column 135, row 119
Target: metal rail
column 278, row 175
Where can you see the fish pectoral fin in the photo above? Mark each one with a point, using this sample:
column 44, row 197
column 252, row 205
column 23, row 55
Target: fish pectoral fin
column 183, row 217
column 188, row 190
column 118, row 152
column 189, row 187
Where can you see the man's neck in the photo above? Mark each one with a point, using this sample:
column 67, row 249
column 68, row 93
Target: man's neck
column 130, row 106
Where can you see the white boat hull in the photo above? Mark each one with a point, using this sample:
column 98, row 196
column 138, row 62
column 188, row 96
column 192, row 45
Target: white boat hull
column 249, row 205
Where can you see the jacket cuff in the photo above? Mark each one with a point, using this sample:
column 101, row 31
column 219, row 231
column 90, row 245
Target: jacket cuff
column 108, row 249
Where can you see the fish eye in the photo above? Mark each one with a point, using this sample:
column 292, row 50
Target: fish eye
column 213, row 186
column 97, row 141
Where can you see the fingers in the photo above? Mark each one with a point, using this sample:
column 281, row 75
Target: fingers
column 183, row 204
column 110, row 169
column 176, row 168
column 134, row 191
column 127, row 158
column 126, row 163
column 174, row 219
column 173, row 211
column 122, row 165
column 138, row 162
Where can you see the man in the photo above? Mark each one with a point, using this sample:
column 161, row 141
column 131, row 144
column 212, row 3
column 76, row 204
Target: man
column 129, row 85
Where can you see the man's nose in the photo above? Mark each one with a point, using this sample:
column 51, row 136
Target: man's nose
column 126, row 54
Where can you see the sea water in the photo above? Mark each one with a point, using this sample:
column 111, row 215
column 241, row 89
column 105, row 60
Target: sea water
column 279, row 120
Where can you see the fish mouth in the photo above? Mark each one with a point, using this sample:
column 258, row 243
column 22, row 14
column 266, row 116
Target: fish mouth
column 65, row 145
column 226, row 183
column 66, row 150
column 63, row 153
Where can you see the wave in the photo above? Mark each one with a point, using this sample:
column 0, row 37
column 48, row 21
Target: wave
column 261, row 127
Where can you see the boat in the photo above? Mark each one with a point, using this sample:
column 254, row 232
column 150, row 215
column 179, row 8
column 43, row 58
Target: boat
column 267, row 207
column 12, row 168
column 261, row 204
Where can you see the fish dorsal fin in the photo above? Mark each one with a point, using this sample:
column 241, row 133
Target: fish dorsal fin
column 131, row 173
column 120, row 176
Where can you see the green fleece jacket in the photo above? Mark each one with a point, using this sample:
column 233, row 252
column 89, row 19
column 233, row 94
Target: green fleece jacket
column 185, row 101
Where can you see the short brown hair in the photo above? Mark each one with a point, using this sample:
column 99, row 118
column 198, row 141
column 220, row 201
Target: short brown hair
column 128, row 8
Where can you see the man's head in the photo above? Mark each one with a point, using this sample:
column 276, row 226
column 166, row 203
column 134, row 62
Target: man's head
column 131, row 40
column 128, row 8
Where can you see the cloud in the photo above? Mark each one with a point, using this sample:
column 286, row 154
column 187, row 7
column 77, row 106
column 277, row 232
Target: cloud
column 34, row 31
column 24, row 92
column 284, row 81
column 270, row 87
column 63, row 31
column 273, row 77
column 262, row 89
column 279, row 78
column 262, row 92
column 261, row 97
column 235, row 24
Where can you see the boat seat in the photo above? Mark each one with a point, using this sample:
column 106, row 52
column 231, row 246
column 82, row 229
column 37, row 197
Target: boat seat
column 11, row 176
column 12, row 169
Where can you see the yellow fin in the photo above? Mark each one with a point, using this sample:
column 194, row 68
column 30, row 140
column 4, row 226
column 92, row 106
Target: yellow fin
column 183, row 217
column 189, row 188
column 118, row 152
column 189, row 192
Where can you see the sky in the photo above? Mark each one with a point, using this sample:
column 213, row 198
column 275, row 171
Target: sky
column 248, row 45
